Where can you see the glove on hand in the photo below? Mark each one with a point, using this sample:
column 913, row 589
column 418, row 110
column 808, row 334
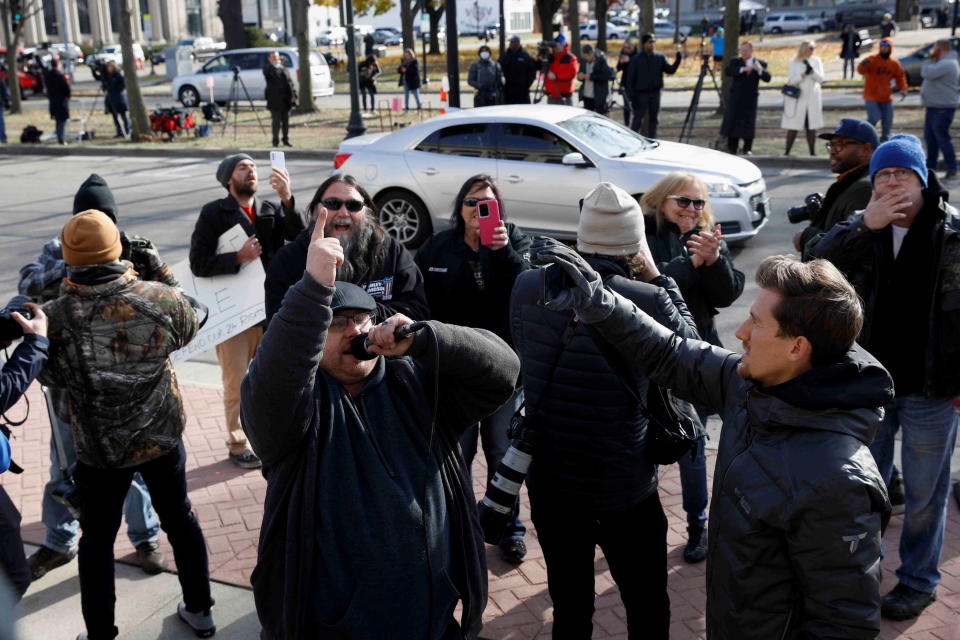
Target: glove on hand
column 591, row 301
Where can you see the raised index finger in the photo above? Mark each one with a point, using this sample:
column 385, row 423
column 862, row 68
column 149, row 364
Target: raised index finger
column 320, row 223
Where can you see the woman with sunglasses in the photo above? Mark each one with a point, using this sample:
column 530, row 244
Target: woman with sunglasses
column 689, row 248
column 469, row 283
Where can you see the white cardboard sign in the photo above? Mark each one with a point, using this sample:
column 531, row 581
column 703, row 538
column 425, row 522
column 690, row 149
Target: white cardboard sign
column 235, row 301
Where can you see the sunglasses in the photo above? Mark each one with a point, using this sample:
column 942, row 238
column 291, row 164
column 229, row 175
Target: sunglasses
column 334, row 204
column 683, row 202
column 472, row 202
column 339, row 323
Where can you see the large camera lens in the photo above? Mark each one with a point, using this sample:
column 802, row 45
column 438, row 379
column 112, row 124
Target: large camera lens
column 810, row 207
column 9, row 329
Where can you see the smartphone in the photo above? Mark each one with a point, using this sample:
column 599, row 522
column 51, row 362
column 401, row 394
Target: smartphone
column 553, row 280
column 488, row 213
column 278, row 160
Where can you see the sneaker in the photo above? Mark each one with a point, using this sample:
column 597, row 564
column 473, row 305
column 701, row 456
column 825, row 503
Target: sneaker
column 949, row 175
column 903, row 602
column 246, row 459
column 286, row 143
column 895, row 492
column 151, row 558
column 44, row 559
column 696, row 549
column 201, row 623
column 513, row 551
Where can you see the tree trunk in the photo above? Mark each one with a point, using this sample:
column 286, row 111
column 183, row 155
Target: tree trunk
column 647, row 16
column 731, row 44
column 230, row 13
column 902, row 13
column 406, row 24
column 435, row 10
column 138, row 111
column 573, row 17
column 601, row 15
column 546, row 10
column 300, row 26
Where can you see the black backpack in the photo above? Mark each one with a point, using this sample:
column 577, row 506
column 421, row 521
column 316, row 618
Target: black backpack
column 212, row 112
column 30, row 135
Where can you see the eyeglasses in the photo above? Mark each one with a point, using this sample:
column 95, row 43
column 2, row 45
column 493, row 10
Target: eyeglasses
column 683, row 202
column 897, row 174
column 838, row 146
column 472, row 202
column 334, row 204
column 339, row 323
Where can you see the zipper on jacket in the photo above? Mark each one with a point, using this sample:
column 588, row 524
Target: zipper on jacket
column 365, row 422
column 786, row 626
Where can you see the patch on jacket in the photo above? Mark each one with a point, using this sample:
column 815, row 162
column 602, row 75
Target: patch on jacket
column 438, row 269
column 381, row 289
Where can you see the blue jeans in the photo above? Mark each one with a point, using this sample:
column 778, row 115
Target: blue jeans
column 61, row 126
column 493, row 431
column 406, row 96
column 62, row 529
column 693, row 481
column 3, row 125
column 936, row 132
column 852, row 63
column 881, row 112
column 121, row 122
column 929, row 427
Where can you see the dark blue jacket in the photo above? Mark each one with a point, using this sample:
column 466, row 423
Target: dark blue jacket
column 20, row 370
column 116, row 92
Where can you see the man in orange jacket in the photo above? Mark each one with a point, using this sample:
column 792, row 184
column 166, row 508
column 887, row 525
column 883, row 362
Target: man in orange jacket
column 561, row 73
column 877, row 71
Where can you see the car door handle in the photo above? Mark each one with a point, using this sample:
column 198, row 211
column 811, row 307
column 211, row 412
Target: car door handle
column 514, row 179
column 430, row 171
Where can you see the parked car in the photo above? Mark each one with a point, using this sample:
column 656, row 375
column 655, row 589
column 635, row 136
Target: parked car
column 792, row 22
column 334, row 36
column 387, row 36
column 545, row 158
column 589, row 31
column 666, row 29
column 913, row 61
column 68, row 50
column 191, row 89
column 113, row 52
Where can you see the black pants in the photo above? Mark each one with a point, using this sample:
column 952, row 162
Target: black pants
column 102, row 492
column 13, row 562
column 634, row 542
column 484, row 98
column 278, row 120
column 646, row 109
column 732, row 144
column 365, row 90
column 626, row 108
column 516, row 95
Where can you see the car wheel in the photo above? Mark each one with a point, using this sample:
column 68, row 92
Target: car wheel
column 776, row 30
column 405, row 217
column 189, row 96
column 814, row 29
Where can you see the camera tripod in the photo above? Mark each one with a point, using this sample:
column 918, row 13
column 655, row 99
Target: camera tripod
column 233, row 104
column 686, row 132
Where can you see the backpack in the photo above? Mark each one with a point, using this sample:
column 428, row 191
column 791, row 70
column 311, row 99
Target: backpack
column 212, row 112
column 30, row 135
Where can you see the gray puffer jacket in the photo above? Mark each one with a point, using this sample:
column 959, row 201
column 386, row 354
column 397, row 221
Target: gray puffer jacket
column 794, row 548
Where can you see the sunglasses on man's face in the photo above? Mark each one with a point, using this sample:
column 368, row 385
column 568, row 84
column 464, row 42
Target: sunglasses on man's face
column 683, row 202
column 334, row 204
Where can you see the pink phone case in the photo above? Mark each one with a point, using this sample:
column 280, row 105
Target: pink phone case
column 488, row 222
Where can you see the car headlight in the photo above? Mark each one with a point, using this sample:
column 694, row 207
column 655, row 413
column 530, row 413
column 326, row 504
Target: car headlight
column 722, row 190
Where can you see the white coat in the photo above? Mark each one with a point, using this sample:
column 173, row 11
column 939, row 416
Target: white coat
column 809, row 105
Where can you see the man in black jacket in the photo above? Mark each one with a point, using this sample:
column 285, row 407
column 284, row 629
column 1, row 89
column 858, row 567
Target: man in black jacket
column 646, row 83
column 370, row 528
column 593, row 480
column 267, row 229
column 902, row 253
column 595, row 76
column 740, row 116
column 375, row 261
column 798, row 503
column 281, row 97
column 519, row 71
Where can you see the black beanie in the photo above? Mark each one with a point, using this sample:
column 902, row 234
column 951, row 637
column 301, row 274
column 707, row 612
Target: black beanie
column 94, row 193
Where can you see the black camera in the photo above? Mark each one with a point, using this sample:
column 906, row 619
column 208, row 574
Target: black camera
column 544, row 50
column 810, row 207
column 495, row 509
column 9, row 329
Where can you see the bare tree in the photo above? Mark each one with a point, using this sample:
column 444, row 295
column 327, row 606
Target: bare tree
column 301, row 31
column 435, row 11
column 546, row 9
column 600, row 11
column 902, row 13
column 230, row 13
column 573, row 17
column 138, row 111
column 12, row 38
column 731, row 43
column 406, row 23
column 647, row 15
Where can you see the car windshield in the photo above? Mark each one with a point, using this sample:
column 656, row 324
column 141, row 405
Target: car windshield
column 609, row 138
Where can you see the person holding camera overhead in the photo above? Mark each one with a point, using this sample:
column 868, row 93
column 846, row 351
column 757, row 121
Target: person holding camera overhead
column 593, row 480
column 468, row 276
column 689, row 248
column 804, row 110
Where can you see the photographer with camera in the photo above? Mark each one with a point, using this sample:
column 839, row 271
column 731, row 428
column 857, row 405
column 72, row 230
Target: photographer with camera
column 593, row 479
column 562, row 68
column 798, row 503
column 41, row 280
column 851, row 146
column 25, row 319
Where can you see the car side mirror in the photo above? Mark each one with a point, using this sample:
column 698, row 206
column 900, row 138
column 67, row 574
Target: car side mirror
column 575, row 160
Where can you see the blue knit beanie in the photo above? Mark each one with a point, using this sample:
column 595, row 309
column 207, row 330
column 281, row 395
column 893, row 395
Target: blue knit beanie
column 902, row 150
column 560, row 39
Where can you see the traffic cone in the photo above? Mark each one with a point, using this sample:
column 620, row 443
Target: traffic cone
column 444, row 87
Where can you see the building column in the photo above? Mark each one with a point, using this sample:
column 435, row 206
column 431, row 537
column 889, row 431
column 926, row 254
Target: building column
column 100, row 29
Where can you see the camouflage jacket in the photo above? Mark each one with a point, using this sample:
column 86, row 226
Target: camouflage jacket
column 108, row 348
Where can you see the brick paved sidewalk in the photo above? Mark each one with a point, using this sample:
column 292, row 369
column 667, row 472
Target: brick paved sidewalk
column 229, row 503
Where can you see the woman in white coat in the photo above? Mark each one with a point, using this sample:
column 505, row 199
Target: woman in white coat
column 806, row 110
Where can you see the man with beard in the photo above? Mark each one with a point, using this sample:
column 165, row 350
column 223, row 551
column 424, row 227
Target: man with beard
column 267, row 229
column 373, row 260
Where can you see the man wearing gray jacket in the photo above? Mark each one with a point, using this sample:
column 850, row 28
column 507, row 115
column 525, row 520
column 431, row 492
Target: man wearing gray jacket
column 940, row 94
column 798, row 503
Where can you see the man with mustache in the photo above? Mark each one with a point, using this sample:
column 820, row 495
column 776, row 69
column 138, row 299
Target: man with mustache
column 373, row 260
column 267, row 229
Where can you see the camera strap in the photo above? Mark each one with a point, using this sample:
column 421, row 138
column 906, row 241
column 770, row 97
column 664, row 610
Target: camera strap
column 565, row 338
column 57, row 440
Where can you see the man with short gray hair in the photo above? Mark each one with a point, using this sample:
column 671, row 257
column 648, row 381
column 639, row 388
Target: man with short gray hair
column 940, row 94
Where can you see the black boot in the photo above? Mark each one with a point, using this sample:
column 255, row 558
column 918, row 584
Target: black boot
column 696, row 549
column 903, row 602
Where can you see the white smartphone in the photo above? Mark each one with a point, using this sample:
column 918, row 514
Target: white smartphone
column 278, row 161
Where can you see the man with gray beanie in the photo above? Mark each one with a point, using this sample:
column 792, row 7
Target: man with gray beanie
column 267, row 230
column 902, row 254
column 592, row 480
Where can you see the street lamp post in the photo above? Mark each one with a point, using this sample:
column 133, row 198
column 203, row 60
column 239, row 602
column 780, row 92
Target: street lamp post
column 453, row 54
column 355, row 125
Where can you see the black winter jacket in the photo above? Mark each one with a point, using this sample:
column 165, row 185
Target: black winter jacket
column 397, row 286
column 592, row 440
column 323, row 567
column 58, row 93
column 849, row 193
column 409, row 74
column 451, row 285
column 705, row 289
column 858, row 251
column 797, row 501
column 279, row 92
column 647, row 69
column 274, row 224
column 519, row 69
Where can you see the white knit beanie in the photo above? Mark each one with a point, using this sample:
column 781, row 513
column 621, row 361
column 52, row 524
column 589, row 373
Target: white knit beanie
column 611, row 222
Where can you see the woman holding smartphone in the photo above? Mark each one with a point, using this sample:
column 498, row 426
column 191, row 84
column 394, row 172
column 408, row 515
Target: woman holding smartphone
column 468, row 276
